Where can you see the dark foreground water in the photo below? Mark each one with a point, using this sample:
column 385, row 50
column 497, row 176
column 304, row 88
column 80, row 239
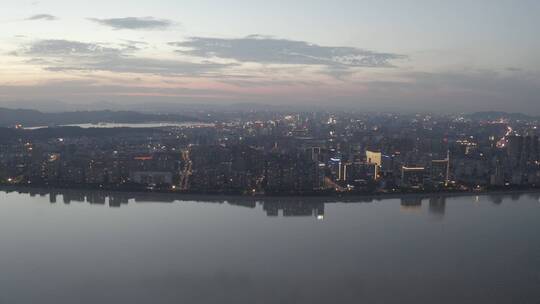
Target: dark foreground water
column 89, row 248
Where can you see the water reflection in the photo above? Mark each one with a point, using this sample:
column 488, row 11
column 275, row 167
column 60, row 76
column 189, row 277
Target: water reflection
column 298, row 208
column 437, row 206
column 167, row 248
column 496, row 199
column 272, row 206
column 411, row 203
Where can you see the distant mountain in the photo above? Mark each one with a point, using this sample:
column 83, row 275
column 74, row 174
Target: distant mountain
column 33, row 118
column 159, row 107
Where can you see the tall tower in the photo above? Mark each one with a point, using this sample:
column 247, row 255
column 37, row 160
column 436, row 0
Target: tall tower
column 447, row 180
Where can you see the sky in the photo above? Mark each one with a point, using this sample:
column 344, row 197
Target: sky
column 434, row 55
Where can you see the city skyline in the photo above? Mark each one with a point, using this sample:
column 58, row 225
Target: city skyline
column 437, row 56
column 264, row 153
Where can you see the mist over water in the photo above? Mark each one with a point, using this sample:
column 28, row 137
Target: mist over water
column 77, row 249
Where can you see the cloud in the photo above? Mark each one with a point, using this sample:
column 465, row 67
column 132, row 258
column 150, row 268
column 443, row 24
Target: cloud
column 134, row 23
column 143, row 65
column 59, row 47
column 261, row 82
column 268, row 50
column 46, row 17
column 66, row 55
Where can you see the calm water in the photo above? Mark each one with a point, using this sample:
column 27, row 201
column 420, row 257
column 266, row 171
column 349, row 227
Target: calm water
column 135, row 125
column 89, row 248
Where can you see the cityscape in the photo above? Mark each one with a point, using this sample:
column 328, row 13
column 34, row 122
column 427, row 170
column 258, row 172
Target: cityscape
column 258, row 153
column 269, row 152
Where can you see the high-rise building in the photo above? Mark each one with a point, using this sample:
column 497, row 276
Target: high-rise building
column 360, row 171
column 315, row 154
column 497, row 175
column 375, row 158
column 514, row 149
column 412, row 177
column 440, row 171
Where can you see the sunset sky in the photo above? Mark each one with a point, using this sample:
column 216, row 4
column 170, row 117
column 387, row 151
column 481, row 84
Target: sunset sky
column 430, row 55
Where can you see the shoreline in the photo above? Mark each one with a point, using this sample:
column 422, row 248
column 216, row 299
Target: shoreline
column 224, row 197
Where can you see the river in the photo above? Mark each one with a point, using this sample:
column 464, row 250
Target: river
column 94, row 247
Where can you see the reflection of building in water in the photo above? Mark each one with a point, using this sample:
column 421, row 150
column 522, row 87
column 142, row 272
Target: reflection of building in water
column 73, row 196
column 52, row 197
column 118, row 200
column 496, row 199
column 535, row 196
column 412, row 203
column 437, row 205
column 97, row 198
column 244, row 203
column 294, row 208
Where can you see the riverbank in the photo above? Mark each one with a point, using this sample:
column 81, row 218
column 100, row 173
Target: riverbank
column 171, row 196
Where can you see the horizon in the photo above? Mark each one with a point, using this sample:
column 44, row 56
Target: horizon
column 178, row 108
column 350, row 54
